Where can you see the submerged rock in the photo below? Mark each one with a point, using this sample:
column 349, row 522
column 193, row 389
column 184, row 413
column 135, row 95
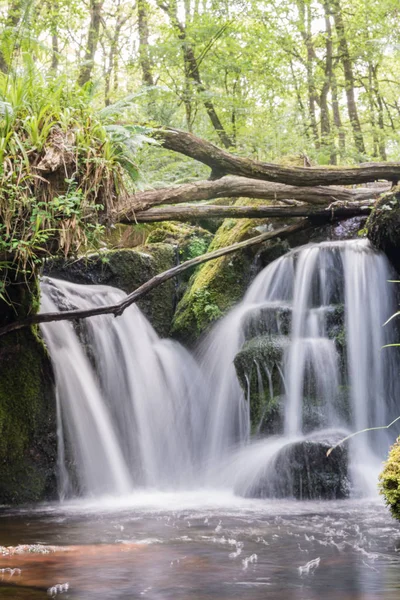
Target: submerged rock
column 302, row 470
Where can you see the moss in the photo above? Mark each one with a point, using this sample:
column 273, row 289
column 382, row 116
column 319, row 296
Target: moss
column 127, row 269
column 251, row 364
column 191, row 241
column 216, row 286
column 27, row 414
column 389, row 480
column 383, row 226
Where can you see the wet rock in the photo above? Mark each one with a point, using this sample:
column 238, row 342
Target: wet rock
column 28, row 445
column 383, row 226
column 127, row 269
column 303, row 471
column 258, row 369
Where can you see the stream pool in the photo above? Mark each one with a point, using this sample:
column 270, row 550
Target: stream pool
column 198, row 546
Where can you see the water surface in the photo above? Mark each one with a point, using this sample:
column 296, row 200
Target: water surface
column 203, row 545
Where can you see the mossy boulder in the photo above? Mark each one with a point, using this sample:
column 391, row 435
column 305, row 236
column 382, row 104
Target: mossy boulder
column 28, row 444
column 190, row 241
column 219, row 284
column 302, row 470
column 383, row 226
column 390, row 480
column 257, row 368
column 127, row 269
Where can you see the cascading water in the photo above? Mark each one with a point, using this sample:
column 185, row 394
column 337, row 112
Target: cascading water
column 135, row 410
column 129, row 407
column 350, row 382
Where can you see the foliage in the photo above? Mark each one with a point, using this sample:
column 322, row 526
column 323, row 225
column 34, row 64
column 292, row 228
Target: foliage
column 390, row 480
column 63, row 166
column 264, row 66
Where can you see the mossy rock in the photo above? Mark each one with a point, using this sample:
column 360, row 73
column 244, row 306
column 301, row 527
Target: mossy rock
column 389, row 480
column 127, row 269
column 259, row 365
column 260, row 354
column 190, row 241
column 383, row 226
column 219, row 284
column 28, row 440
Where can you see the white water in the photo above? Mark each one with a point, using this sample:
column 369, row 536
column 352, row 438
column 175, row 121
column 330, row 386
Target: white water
column 136, row 411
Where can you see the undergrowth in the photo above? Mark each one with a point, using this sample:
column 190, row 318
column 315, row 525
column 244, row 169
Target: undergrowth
column 64, row 165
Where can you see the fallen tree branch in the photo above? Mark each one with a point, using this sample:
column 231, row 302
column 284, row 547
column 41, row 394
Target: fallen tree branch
column 223, row 163
column 118, row 309
column 193, row 213
column 235, row 187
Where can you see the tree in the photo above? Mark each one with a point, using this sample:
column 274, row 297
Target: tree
column 93, row 34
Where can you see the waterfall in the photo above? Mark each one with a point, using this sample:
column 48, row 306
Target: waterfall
column 137, row 411
column 130, row 412
column 311, row 283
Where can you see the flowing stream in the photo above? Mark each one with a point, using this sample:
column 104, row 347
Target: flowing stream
column 163, row 454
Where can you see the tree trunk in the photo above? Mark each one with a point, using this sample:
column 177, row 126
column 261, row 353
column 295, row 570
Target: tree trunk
column 55, row 50
column 192, row 72
column 337, row 118
column 348, row 76
column 381, row 123
column 236, row 187
column 194, row 213
column 144, row 54
column 12, row 20
column 113, row 39
column 323, row 99
column 223, row 163
column 85, row 72
column 306, row 34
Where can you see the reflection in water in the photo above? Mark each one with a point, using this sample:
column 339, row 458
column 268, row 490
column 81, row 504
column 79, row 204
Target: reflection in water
column 204, row 545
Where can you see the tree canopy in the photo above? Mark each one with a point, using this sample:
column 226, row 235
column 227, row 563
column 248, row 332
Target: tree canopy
column 257, row 91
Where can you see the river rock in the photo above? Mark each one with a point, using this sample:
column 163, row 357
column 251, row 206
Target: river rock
column 302, row 470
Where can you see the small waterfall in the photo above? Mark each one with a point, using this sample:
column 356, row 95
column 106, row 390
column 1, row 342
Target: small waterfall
column 130, row 412
column 353, row 381
column 137, row 411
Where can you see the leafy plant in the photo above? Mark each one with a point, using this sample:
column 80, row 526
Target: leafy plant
column 64, row 165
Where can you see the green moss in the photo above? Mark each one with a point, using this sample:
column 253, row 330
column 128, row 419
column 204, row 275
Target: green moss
column 257, row 355
column 27, row 414
column 217, row 285
column 191, row 241
column 389, row 483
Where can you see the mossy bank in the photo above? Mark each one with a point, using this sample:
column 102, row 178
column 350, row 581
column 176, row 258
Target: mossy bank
column 28, row 445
